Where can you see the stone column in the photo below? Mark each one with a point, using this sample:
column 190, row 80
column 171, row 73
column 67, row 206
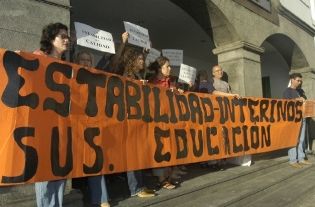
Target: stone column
column 241, row 61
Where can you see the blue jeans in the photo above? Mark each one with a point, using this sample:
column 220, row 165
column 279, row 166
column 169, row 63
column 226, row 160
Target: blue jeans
column 297, row 153
column 97, row 189
column 50, row 193
column 135, row 181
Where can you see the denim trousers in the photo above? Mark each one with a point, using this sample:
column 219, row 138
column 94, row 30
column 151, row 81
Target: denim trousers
column 297, row 153
column 97, row 189
column 50, row 193
column 135, row 181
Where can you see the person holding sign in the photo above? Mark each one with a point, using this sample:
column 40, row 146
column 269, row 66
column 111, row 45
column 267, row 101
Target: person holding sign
column 96, row 184
column 54, row 42
column 111, row 64
column 222, row 86
column 133, row 63
column 296, row 154
column 207, row 86
column 161, row 67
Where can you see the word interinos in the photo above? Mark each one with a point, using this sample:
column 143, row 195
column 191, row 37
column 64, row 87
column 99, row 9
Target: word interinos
column 60, row 120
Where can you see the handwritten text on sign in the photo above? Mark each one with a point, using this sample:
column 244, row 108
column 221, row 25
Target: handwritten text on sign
column 60, row 121
column 137, row 35
column 187, row 74
column 90, row 37
column 175, row 56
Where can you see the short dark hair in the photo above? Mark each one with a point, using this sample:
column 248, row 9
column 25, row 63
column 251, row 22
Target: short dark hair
column 295, row 75
column 49, row 33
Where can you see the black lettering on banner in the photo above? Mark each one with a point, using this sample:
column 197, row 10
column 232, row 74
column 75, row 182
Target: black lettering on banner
column 182, row 101
column 264, row 105
column 207, row 102
column 265, row 136
column 112, row 99
column 180, row 134
column 158, row 135
column 132, row 100
column 93, row 80
column 170, row 95
column 227, row 110
column 251, row 105
column 281, row 109
column 241, row 103
column 211, row 132
column 298, row 110
column 246, row 146
column 291, row 111
column 226, row 140
column 272, row 109
column 197, row 151
column 254, row 137
column 195, row 109
column 158, row 117
column 89, row 135
column 10, row 96
column 146, row 104
column 31, row 157
column 50, row 103
column 236, row 131
column 58, row 170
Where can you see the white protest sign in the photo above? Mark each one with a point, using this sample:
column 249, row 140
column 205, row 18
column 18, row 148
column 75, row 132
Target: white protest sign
column 151, row 57
column 137, row 35
column 97, row 39
column 175, row 56
column 187, row 74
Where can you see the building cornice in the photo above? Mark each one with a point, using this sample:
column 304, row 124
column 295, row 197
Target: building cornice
column 238, row 45
column 296, row 20
column 54, row 3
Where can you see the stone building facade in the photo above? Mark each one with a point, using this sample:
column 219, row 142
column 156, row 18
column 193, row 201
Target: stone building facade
column 248, row 39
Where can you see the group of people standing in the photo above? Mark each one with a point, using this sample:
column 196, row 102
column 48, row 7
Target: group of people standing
column 128, row 62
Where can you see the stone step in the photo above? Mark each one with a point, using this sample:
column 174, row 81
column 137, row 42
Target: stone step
column 233, row 187
column 285, row 192
column 24, row 196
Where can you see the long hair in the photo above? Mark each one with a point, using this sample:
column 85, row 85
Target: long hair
column 49, row 33
column 128, row 60
column 157, row 64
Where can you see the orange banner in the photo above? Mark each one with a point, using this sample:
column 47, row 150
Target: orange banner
column 59, row 120
column 309, row 108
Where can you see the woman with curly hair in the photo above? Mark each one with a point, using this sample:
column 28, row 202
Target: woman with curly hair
column 54, row 42
column 132, row 65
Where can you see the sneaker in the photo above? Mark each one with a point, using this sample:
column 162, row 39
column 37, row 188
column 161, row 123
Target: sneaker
column 305, row 162
column 105, row 205
column 148, row 190
column 295, row 165
column 145, row 194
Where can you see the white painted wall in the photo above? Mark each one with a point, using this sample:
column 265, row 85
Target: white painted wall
column 303, row 9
